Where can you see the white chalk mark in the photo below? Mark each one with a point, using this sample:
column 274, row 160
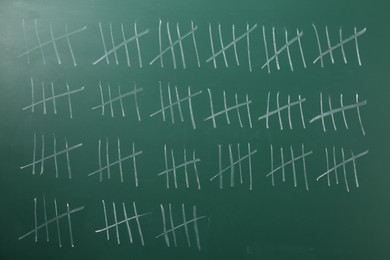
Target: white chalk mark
column 238, row 110
column 179, row 104
column 170, row 104
column 329, row 45
column 196, row 170
column 289, row 112
column 135, row 166
column 185, row 225
column 240, row 162
column 55, row 152
column 69, row 45
column 267, row 112
column 334, row 163
column 345, row 170
column 266, row 53
column 107, row 161
column 138, row 223
column 171, row 46
column 283, row 48
column 232, row 164
column 25, row 41
column 49, row 221
column 162, row 103
column 41, row 45
column 54, row 44
column 304, row 168
column 319, row 46
column 166, row 165
column 212, row 108
column 121, row 101
column 276, row 55
column 301, row 50
column 120, row 159
column 332, row 115
column 165, row 231
column 34, row 154
column 110, row 100
column 181, row 47
column 222, row 46
column 358, row 112
column 288, row 50
column 58, row 223
column 67, row 159
column 195, row 45
column 120, row 45
column 196, row 229
column 343, row 112
column 353, row 37
column 100, row 161
column 190, row 108
column 248, row 110
column 250, row 167
column 116, row 224
column 104, row 44
column 235, row 44
column 278, row 108
column 220, row 166
column 127, row 223
column 354, row 170
column 106, row 220
column 39, row 42
column 53, row 98
column 160, row 44
column 342, row 164
column 248, row 48
column 231, row 168
column 43, row 98
column 126, row 48
column 35, row 220
column 69, row 101
column 293, row 166
column 138, row 46
column 172, row 225
column 225, row 106
column 185, row 167
column 42, row 161
column 342, row 46
column 327, row 165
column 284, row 164
column 32, row 95
column 212, row 46
column 272, row 165
column 322, row 112
column 301, row 110
column 101, row 97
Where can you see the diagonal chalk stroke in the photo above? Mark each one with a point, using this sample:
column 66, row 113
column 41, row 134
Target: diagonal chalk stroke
column 172, row 44
column 120, row 45
column 338, row 45
column 56, row 219
column 225, row 47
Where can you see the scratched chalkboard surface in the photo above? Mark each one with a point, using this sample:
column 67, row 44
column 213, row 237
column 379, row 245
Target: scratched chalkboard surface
column 194, row 129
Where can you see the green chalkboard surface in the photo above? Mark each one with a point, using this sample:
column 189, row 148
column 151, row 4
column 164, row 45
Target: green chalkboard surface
column 194, row 129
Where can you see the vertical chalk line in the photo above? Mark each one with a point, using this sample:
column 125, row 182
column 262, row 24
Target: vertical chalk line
column 171, row 46
column 181, row 46
column 235, row 44
column 222, row 45
column 212, row 46
column 126, row 48
column 160, row 44
column 110, row 100
column 301, row 49
column 69, row 45
column 58, row 223
column 319, row 45
column 266, row 51
column 332, row 115
column 195, row 45
column 248, row 48
column 288, row 50
column 127, row 223
column 275, row 49
column 329, row 45
column 113, row 44
column 54, row 44
column 138, row 46
column 104, row 43
column 178, row 101
column 39, row 41
column 171, row 104
column 172, row 224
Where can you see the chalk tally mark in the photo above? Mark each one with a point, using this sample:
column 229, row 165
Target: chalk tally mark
column 285, row 162
column 118, row 164
column 236, row 164
column 107, row 101
column 53, row 154
column 287, row 43
column 53, row 41
column 331, row 112
column 47, row 221
column 340, row 166
column 121, row 41
column 172, row 44
column 233, row 43
column 341, row 41
column 237, row 108
column 285, row 108
column 172, row 224
column 121, row 218
column 176, row 101
column 51, row 98
column 188, row 165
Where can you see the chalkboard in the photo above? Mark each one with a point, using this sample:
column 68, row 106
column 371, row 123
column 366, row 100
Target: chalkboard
column 194, row 129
